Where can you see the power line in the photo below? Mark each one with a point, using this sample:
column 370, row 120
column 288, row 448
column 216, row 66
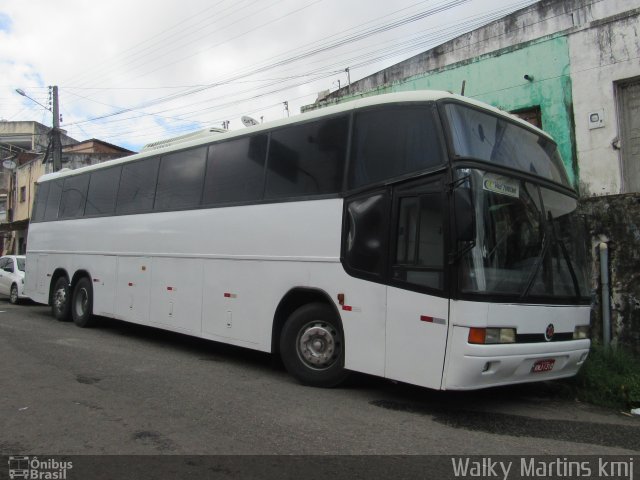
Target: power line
column 327, row 47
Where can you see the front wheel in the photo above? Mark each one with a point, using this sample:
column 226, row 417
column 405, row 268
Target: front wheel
column 60, row 300
column 312, row 346
column 82, row 303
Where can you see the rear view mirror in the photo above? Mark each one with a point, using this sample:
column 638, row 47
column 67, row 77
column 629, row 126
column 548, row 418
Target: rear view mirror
column 464, row 215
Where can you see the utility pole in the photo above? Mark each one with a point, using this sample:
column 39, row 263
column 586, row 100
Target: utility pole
column 348, row 80
column 56, row 144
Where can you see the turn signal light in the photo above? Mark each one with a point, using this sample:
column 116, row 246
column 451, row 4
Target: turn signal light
column 490, row 336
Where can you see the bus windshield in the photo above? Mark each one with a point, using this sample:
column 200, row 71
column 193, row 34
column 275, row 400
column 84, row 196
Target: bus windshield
column 494, row 139
column 529, row 241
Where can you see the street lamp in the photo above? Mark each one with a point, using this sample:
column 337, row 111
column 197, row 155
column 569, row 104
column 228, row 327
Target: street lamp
column 19, row 91
column 55, row 130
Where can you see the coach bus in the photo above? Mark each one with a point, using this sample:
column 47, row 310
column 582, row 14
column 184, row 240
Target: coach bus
column 422, row 237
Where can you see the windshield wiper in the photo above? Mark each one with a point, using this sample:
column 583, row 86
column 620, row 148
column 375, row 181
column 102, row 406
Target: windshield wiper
column 550, row 226
column 538, row 264
column 565, row 254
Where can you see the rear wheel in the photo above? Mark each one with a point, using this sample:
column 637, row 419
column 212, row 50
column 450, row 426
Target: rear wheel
column 13, row 296
column 60, row 300
column 312, row 346
column 82, row 303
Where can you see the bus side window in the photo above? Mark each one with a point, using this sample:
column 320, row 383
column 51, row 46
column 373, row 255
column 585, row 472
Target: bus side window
column 74, row 195
column 180, row 180
column 419, row 252
column 53, row 200
column 393, row 141
column 235, row 170
column 40, row 204
column 364, row 234
column 138, row 186
column 307, row 159
column 103, row 188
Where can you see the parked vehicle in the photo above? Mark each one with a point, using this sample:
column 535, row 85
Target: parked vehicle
column 12, row 277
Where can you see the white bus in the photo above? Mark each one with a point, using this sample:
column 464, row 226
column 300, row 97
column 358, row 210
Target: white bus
column 423, row 237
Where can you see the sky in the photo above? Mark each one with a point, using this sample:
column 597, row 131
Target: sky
column 138, row 71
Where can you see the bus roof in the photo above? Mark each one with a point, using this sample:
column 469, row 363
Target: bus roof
column 210, row 135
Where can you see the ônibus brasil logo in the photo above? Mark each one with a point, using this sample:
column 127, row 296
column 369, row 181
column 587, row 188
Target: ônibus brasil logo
column 35, row 469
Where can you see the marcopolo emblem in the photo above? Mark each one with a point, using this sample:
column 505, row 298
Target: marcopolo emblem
column 548, row 333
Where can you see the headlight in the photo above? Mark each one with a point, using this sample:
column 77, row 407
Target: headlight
column 485, row 336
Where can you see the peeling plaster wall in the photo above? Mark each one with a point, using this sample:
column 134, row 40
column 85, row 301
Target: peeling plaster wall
column 600, row 56
column 615, row 219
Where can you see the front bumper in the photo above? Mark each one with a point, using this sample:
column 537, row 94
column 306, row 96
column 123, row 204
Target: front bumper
column 471, row 367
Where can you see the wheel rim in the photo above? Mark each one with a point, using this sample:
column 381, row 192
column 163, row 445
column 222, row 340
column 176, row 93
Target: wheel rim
column 319, row 344
column 14, row 294
column 60, row 299
column 81, row 301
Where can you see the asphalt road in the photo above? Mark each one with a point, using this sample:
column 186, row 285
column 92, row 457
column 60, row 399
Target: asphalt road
column 126, row 389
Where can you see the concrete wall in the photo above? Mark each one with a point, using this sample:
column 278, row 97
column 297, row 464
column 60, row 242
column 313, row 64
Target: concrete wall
column 615, row 219
column 601, row 56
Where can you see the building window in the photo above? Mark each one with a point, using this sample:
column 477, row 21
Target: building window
column 531, row 115
column 23, row 194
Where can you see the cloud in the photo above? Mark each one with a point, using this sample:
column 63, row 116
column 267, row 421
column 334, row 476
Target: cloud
column 123, row 55
column 5, row 22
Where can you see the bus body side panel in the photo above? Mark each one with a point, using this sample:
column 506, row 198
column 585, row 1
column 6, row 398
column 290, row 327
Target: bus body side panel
column 416, row 337
column 133, row 289
column 175, row 292
column 469, row 366
column 241, row 296
column 103, row 272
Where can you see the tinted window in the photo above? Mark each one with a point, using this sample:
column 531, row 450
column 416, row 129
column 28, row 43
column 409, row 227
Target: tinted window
column 40, row 204
column 419, row 256
column 365, row 227
column 180, row 180
column 137, row 186
column 393, row 141
column 235, row 170
column 74, row 195
column 307, row 159
column 53, row 200
column 103, row 188
column 494, row 139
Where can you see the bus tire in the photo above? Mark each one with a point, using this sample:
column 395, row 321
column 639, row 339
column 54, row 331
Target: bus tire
column 312, row 346
column 82, row 303
column 60, row 300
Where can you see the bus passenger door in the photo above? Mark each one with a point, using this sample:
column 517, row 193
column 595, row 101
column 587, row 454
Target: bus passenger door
column 417, row 304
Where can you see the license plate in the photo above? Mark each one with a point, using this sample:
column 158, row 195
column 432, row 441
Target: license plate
column 543, row 365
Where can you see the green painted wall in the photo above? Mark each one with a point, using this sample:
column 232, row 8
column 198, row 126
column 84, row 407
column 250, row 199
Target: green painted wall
column 498, row 79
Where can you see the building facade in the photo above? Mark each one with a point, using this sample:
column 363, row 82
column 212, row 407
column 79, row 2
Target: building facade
column 24, row 160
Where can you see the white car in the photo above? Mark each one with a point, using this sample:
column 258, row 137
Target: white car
column 12, row 277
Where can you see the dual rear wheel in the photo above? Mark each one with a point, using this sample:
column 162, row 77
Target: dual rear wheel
column 76, row 304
